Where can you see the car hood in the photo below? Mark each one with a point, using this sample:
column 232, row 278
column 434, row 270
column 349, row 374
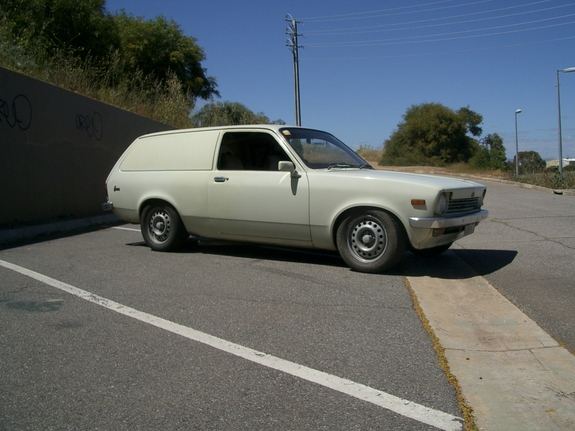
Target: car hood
column 437, row 182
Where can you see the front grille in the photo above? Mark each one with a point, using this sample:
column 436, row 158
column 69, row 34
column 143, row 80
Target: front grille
column 464, row 205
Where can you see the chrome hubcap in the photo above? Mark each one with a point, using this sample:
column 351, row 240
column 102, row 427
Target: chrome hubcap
column 160, row 225
column 368, row 240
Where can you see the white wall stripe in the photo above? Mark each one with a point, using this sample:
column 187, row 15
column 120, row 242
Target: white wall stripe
column 436, row 418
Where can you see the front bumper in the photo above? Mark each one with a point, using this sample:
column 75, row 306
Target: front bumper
column 107, row 206
column 443, row 222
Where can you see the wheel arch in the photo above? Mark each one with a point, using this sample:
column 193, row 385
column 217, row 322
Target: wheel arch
column 155, row 201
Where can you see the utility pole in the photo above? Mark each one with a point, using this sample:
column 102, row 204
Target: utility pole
column 292, row 44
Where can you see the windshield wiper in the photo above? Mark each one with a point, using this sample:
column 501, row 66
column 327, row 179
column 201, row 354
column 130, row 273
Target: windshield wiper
column 339, row 165
column 347, row 165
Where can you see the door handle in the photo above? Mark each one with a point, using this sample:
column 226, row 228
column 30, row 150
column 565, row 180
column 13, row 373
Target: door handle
column 220, row 179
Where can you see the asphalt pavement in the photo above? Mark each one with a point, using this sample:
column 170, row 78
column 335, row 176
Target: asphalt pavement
column 500, row 303
column 99, row 332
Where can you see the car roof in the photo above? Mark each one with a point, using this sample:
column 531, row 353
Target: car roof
column 271, row 127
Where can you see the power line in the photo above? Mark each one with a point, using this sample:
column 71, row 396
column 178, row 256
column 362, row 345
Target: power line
column 435, row 53
column 470, row 31
column 378, row 13
column 440, row 36
column 387, row 27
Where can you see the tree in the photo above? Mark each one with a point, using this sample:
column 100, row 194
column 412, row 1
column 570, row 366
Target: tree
column 158, row 47
column 491, row 153
column 229, row 114
column 83, row 29
column 531, row 162
column 151, row 51
column 432, row 134
column 472, row 120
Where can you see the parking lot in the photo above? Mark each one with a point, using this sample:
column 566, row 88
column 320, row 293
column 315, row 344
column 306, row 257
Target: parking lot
column 99, row 332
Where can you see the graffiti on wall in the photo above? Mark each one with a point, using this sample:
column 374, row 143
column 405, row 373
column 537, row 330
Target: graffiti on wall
column 16, row 112
column 93, row 125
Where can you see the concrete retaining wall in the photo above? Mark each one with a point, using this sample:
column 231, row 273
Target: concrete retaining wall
column 56, row 150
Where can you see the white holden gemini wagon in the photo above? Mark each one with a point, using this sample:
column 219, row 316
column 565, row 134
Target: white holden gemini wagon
column 289, row 186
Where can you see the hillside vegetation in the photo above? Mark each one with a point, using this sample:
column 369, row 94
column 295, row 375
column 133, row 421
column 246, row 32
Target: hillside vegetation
column 149, row 67
column 546, row 177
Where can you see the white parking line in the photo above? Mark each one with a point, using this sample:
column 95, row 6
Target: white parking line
column 426, row 415
column 126, row 228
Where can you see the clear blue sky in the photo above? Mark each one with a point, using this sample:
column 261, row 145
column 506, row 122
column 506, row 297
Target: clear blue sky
column 365, row 62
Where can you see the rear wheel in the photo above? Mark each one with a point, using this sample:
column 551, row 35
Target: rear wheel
column 372, row 241
column 162, row 228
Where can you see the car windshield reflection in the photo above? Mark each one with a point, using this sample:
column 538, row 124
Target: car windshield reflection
column 320, row 150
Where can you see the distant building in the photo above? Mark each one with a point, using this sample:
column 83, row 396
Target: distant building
column 566, row 162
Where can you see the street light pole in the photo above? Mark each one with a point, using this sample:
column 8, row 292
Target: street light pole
column 568, row 70
column 518, row 111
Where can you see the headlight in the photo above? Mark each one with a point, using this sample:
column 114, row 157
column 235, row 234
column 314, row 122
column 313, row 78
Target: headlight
column 442, row 204
column 481, row 198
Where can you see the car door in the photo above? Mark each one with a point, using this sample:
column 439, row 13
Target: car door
column 250, row 199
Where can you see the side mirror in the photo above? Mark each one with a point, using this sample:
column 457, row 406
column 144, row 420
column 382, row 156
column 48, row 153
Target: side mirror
column 288, row 167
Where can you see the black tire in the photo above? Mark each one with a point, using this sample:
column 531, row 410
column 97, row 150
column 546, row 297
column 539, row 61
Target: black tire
column 371, row 241
column 433, row 251
column 162, row 228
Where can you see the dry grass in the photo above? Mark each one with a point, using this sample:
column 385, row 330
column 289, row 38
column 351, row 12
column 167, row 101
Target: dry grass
column 466, row 409
column 551, row 180
column 161, row 101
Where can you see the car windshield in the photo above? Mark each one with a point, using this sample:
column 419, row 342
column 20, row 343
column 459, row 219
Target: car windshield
column 320, row 150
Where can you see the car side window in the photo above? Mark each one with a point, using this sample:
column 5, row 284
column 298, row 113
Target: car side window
column 254, row 151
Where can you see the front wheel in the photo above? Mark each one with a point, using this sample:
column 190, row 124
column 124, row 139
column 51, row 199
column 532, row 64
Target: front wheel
column 162, row 228
column 372, row 241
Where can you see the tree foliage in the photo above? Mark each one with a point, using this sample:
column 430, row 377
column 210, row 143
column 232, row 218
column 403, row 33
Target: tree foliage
column 531, row 162
column 229, row 114
column 154, row 49
column 432, row 134
column 45, row 27
column 158, row 47
column 491, row 153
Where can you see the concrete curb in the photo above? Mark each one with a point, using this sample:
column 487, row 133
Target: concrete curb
column 30, row 232
column 511, row 372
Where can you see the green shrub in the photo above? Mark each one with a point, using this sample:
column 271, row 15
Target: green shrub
column 553, row 180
